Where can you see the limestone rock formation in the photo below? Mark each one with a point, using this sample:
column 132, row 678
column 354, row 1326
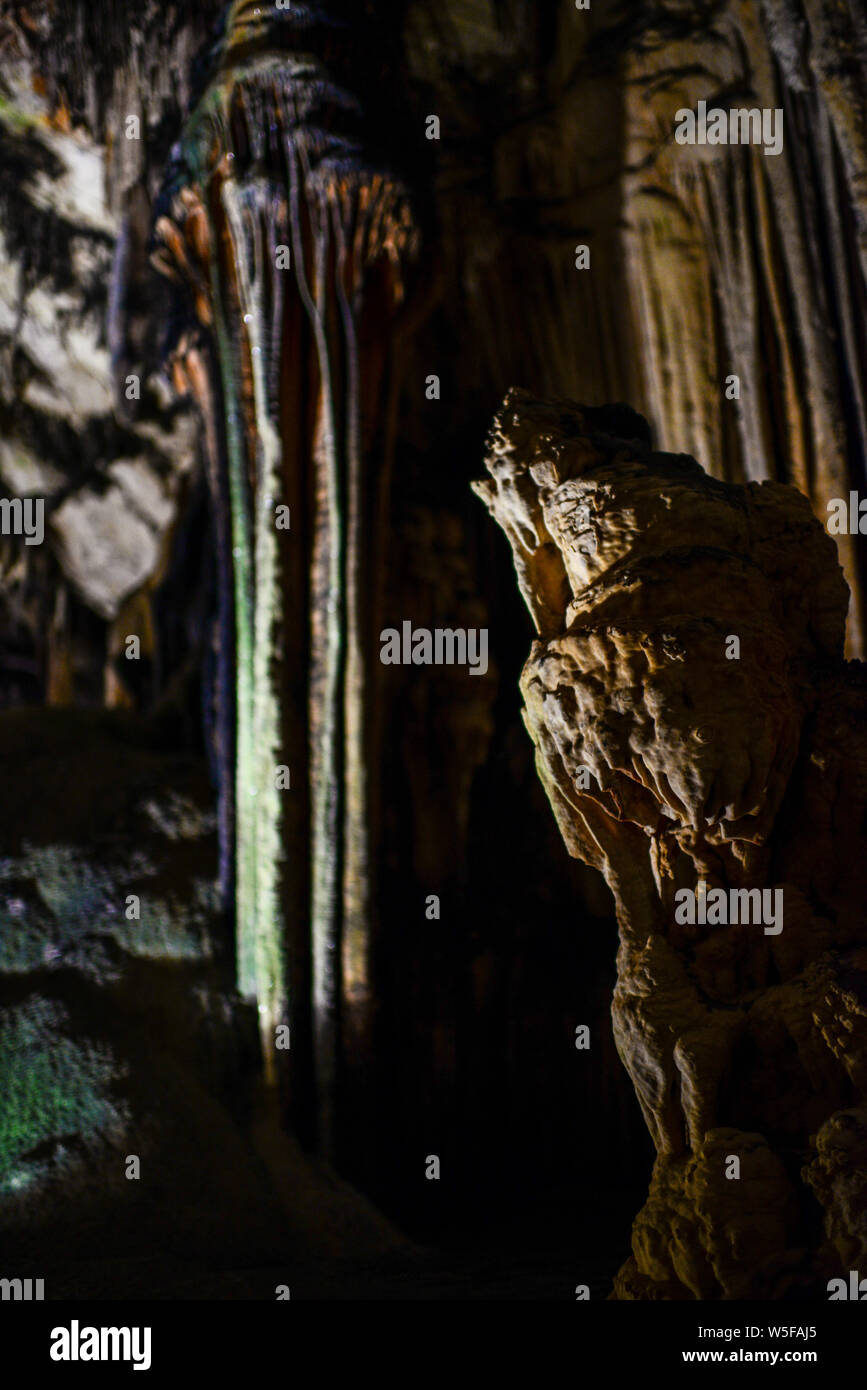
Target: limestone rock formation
column 734, row 253
column 705, row 260
column 88, row 423
column 700, row 737
column 296, row 245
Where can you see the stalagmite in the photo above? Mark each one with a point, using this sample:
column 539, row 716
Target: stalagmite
column 686, row 767
column 296, row 247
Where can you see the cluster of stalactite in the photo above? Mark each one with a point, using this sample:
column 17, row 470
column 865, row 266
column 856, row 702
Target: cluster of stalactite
column 704, row 262
column 557, row 128
column 754, row 264
column 297, row 248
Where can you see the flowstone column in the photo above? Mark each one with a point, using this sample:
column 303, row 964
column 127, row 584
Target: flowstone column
column 702, row 743
column 296, row 246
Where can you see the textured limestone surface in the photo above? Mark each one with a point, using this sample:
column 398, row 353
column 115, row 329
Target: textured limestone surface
column 675, row 760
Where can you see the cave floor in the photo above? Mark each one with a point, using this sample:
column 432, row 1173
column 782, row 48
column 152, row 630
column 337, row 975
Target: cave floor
column 541, row 1255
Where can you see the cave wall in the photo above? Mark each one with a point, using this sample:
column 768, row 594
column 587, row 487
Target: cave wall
column 556, row 131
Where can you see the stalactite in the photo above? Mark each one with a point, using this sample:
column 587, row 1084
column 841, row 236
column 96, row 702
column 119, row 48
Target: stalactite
column 738, row 259
column 273, row 155
column 198, row 377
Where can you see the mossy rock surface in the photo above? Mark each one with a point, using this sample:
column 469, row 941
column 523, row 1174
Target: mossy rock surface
column 57, row 1094
column 119, row 1035
column 124, row 1038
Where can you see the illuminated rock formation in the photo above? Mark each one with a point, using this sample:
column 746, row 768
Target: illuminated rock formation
column 734, row 257
column 92, row 431
column 296, row 246
column 697, row 729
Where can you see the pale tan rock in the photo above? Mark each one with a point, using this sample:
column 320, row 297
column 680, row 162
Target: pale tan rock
column 676, row 760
